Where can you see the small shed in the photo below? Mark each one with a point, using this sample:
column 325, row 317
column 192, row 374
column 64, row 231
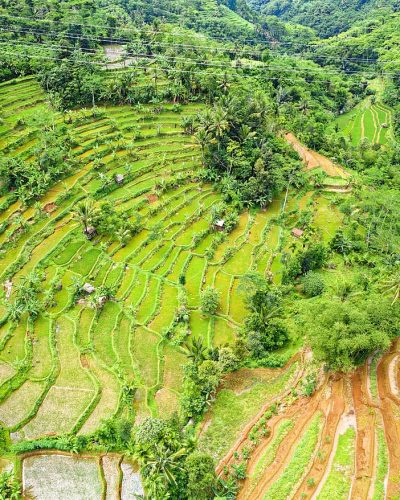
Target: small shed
column 119, row 178
column 90, row 232
column 88, row 288
column 102, row 300
column 297, row 233
column 8, row 288
column 385, row 125
column 219, row 225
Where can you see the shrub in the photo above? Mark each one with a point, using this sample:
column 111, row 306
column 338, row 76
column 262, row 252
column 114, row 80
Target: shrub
column 313, row 284
column 201, row 476
column 9, row 486
column 210, row 300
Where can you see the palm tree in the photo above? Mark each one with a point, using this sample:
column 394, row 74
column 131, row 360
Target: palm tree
column 84, row 213
column 202, row 137
column 224, row 85
column 195, row 350
column 163, row 462
column 15, row 311
column 392, row 285
column 220, row 123
column 304, row 106
column 245, row 133
column 123, row 234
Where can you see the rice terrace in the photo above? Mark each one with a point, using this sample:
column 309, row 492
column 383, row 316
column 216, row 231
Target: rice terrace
column 199, row 251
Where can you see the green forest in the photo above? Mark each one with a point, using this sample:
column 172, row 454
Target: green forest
column 199, row 249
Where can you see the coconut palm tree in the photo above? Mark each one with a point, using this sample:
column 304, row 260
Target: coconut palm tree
column 123, row 234
column 163, row 462
column 391, row 285
column 84, row 213
column 195, row 350
column 202, row 137
column 220, row 123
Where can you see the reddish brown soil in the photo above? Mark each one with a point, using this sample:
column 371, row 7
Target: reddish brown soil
column 301, row 412
column 333, row 408
column 84, row 361
column 312, row 159
column 244, row 437
column 152, row 198
column 339, row 398
column 365, row 444
column 391, row 420
column 50, row 207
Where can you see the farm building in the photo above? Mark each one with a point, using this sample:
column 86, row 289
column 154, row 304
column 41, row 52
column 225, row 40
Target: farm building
column 219, row 225
column 297, row 233
column 88, row 288
column 90, row 232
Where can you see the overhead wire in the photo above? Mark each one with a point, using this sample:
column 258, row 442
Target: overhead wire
column 167, row 70
column 166, row 33
column 202, row 63
column 224, row 39
column 168, row 44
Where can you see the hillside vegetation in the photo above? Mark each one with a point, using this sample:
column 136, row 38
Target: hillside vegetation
column 199, row 250
column 326, row 17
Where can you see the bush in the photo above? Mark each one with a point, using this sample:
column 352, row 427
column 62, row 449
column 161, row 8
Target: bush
column 344, row 334
column 201, row 476
column 210, row 300
column 313, row 284
column 9, row 486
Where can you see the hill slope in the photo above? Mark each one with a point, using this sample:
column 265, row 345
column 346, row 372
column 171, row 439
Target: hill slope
column 325, row 16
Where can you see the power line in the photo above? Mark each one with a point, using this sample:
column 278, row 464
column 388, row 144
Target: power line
column 135, row 30
column 166, row 70
column 186, row 35
column 177, row 59
column 168, row 44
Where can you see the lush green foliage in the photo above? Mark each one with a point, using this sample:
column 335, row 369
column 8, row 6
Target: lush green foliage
column 210, row 300
column 170, row 467
column 263, row 330
column 10, row 488
column 344, row 334
column 312, row 284
column 250, row 165
column 52, row 161
column 326, row 17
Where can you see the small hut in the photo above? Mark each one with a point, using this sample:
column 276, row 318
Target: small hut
column 119, row 178
column 90, row 232
column 88, row 288
column 8, row 288
column 219, row 225
column 297, row 233
column 102, row 300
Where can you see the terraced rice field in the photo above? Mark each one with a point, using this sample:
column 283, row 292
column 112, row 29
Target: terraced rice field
column 340, row 443
column 69, row 370
column 64, row 476
column 367, row 121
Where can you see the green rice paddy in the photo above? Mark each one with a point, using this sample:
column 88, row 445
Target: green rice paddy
column 368, row 121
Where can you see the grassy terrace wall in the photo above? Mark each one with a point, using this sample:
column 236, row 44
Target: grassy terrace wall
column 70, row 369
